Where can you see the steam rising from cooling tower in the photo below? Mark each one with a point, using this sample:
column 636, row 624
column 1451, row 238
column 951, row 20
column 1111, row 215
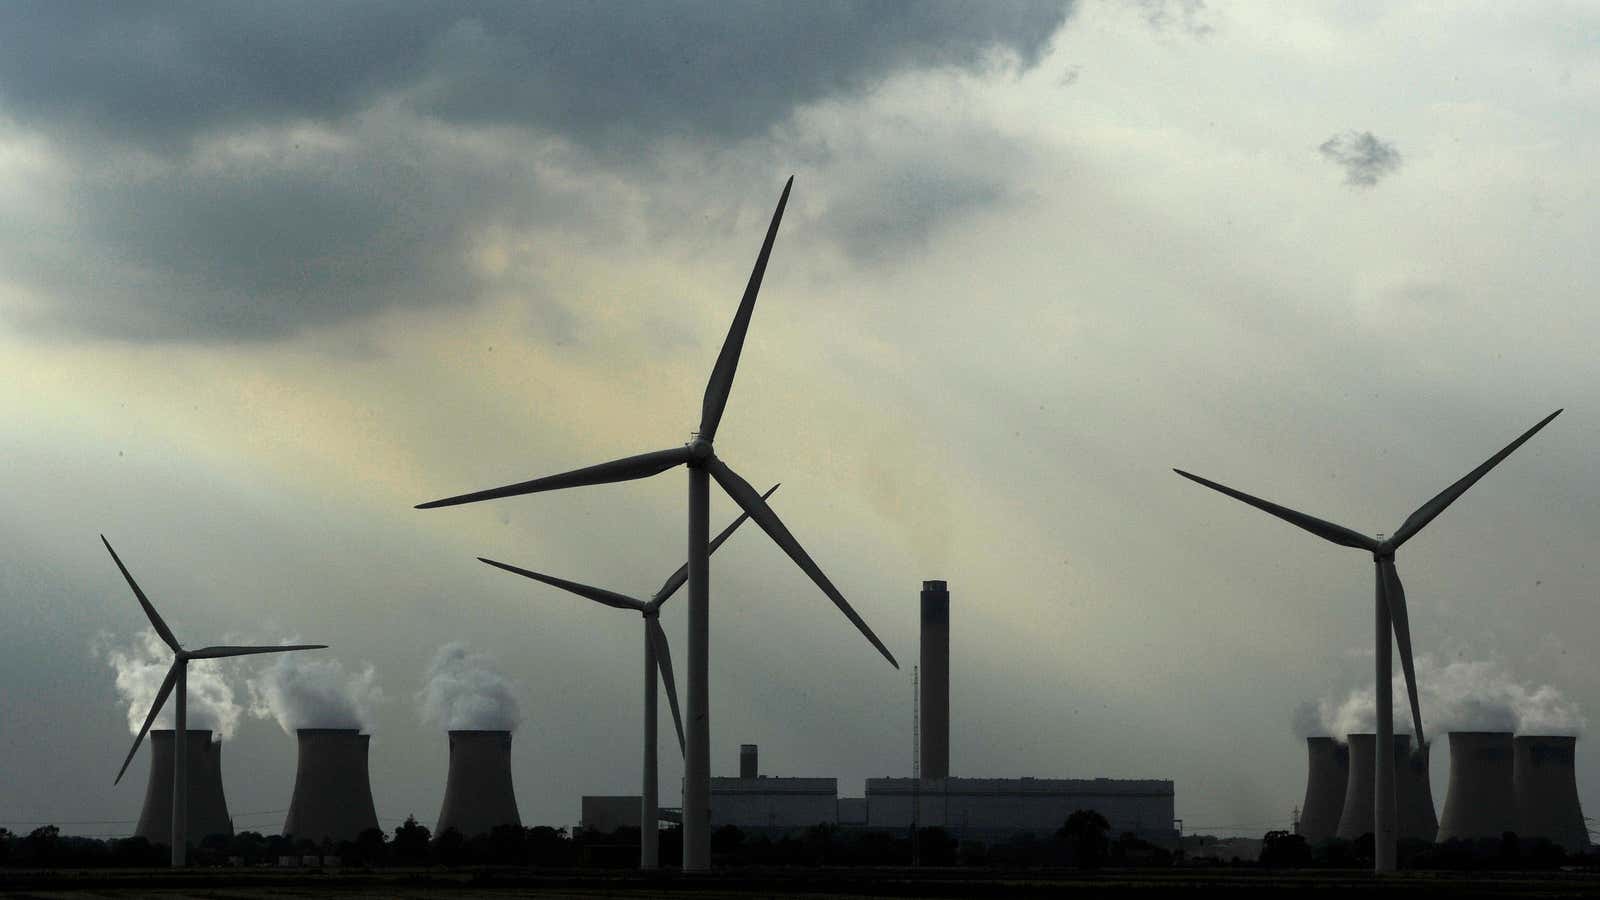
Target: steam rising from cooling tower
column 140, row 666
column 466, row 691
column 1461, row 695
column 306, row 692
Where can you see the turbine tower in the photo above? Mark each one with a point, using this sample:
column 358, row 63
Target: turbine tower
column 656, row 656
column 1390, row 614
column 703, row 464
column 178, row 677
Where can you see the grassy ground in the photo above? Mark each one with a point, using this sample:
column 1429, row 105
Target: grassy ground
column 806, row 883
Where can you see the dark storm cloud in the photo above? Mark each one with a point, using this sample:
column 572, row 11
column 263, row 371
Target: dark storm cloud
column 592, row 71
column 1364, row 158
column 187, row 211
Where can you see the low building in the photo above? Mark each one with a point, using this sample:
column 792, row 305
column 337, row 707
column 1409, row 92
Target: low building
column 1001, row 807
column 607, row 813
column 774, row 804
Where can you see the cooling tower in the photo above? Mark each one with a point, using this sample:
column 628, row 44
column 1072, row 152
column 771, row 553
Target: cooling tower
column 332, row 794
column 1414, row 817
column 208, row 808
column 747, row 761
column 1413, row 792
column 1544, row 783
column 1480, row 802
column 1326, row 777
column 935, row 680
column 478, row 794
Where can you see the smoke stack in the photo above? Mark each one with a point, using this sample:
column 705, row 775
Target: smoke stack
column 747, row 761
column 1545, row 783
column 332, row 794
column 1326, row 778
column 208, row 808
column 1480, row 802
column 478, row 794
column 1413, row 796
column 935, row 678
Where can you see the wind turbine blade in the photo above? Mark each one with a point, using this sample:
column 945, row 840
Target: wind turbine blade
column 664, row 666
column 746, row 496
column 149, row 611
column 1325, row 530
column 161, row 698
column 223, row 651
column 642, row 466
column 598, row 595
column 1427, row 511
column 721, row 382
column 677, row 578
column 1395, row 595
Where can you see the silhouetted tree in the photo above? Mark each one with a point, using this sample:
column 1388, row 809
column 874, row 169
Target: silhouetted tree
column 42, row 844
column 552, row 847
column 450, row 847
column 1284, row 849
column 727, row 840
column 411, row 841
column 1085, row 834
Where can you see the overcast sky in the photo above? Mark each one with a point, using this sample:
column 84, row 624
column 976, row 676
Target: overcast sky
column 270, row 275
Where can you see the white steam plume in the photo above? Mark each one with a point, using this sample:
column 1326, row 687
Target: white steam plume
column 140, row 666
column 300, row 690
column 1463, row 695
column 466, row 690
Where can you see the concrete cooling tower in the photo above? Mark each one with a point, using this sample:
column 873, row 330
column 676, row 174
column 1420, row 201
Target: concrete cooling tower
column 1480, row 802
column 1414, row 816
column 208, row 808
column 332, row 794
column 477, row 793
column 1326, row 778
column 1544, row 783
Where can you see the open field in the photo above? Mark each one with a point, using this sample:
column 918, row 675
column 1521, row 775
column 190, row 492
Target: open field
column 809, row 883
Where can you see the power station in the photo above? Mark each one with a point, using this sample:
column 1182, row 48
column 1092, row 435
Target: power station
column 986, row 808
column 332, row 793
column 1526, row 785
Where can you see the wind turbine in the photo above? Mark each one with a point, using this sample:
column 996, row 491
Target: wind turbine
column 656, row 655
column 703, row 464
column 1390, row 615
column 178, row 676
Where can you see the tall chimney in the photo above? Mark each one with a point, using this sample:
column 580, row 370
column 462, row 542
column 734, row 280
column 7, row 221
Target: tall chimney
column 332, row 794
column 747, row 761
column 935, row 680
column 1480, row 802
column 1414, row 817
column 478, row 795
column 1544, row 781
column 1326, row 777
column 208, row 807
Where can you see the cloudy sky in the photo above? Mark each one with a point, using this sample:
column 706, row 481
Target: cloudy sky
column 269, row 276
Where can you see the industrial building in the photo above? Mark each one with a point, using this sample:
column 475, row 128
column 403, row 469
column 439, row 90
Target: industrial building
column 208, row 807
column 1001, row 807
column 977, row 808
column 478, row 796
column 332, row 793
